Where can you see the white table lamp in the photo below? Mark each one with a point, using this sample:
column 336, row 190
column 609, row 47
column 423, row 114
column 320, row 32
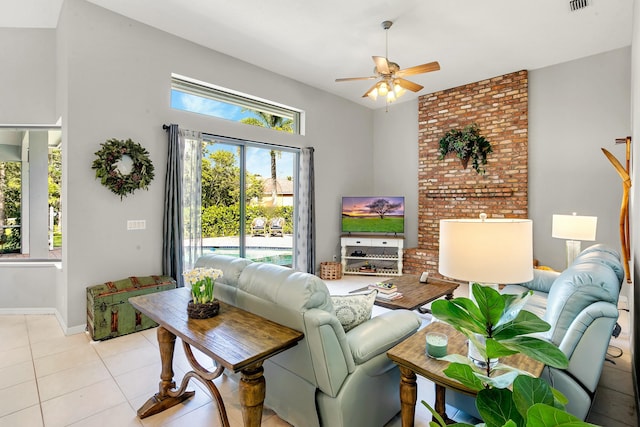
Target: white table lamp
column 494, row 251
column 487, row 251
column 574, row 228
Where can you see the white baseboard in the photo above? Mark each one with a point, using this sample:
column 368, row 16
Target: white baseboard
column 34, row 310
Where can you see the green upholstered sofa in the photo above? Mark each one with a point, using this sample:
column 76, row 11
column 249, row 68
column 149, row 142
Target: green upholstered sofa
column 331, row 378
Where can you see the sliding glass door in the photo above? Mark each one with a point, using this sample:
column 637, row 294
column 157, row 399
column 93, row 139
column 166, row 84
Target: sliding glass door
column 248, row 200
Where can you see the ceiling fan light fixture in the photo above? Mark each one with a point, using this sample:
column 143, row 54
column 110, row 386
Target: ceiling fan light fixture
column 391, row 96
column 383, row 89
column 392, row 83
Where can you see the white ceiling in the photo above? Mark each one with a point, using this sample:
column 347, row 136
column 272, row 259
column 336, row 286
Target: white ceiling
column 316, row 42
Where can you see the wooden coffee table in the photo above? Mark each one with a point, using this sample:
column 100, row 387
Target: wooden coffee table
column 410, row 355
column 235, row 339
column 416, row 294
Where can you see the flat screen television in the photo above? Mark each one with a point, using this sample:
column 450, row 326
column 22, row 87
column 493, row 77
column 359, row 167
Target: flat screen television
column 373, row 214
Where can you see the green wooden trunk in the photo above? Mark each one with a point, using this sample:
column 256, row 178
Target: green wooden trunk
column 109, row 313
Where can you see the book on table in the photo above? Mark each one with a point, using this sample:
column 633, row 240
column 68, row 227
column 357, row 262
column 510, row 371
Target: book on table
column 385, row 288
column 389, row 297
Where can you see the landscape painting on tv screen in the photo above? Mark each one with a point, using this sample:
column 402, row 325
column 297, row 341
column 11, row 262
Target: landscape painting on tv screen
column 374, row 214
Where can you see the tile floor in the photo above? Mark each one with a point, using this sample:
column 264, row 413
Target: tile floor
column 54, row 380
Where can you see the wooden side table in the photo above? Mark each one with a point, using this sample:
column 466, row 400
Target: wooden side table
column 235, row 339
column 410, row 355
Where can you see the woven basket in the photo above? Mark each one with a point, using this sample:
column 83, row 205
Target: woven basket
column 330, row 270
column 203, row 310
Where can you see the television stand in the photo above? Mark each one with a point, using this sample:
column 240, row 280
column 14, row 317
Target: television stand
column 371, row 255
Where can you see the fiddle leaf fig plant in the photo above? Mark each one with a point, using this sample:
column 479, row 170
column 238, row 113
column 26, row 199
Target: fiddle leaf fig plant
column 498, row 326
column 466, row 143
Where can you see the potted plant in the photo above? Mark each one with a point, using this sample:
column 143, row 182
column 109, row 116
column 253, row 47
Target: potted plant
column 202, row 281
column 513, row 399
column 466, row 143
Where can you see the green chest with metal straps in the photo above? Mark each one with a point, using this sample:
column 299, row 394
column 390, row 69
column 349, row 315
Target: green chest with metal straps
column 109, row 313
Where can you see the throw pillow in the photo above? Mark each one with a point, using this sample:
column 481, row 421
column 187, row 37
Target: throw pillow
column 352, row 310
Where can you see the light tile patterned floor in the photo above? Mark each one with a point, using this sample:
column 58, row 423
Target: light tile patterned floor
column 54, row 380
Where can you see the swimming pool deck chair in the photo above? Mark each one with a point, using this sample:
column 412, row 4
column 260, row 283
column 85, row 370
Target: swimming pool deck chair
column 259, row 226
column 276, row 226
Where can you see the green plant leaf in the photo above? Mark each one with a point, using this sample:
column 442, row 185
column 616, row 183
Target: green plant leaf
column 541, row 415
column 471, row 308
column 524, row 323
column 439, row 422
column 513, row 303
column 490, row 303
column 527, row 391
column 495, row 349
column 540, row 350
column 559, row 399
column 436, row 416
column 465, row 374
column 496, row 407
column 449, row 312
column 500, row 381
column 456, row 358
column 501, row 367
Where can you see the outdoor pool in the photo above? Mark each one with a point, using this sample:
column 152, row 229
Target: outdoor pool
column 279, row 256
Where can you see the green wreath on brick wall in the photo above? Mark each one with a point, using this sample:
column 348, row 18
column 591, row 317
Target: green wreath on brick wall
column 106, row 166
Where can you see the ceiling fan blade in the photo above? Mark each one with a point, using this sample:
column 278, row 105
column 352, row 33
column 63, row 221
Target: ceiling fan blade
column 382, row 65
column 348, row 79
column 406, row 84
column 419, row 69
column 369, row 90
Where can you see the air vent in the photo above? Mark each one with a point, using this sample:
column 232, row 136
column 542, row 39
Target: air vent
column 578, row 4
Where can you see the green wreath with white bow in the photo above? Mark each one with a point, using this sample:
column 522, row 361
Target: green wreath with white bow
column 109, row 174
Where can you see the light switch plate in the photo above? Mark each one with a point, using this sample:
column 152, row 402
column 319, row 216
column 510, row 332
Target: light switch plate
column 136, row 224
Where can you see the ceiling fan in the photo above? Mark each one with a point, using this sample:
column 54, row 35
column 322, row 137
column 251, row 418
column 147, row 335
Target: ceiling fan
column 392, row 83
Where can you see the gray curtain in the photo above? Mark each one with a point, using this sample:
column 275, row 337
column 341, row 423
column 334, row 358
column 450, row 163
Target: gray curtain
column 172, row 251
column 305, row 244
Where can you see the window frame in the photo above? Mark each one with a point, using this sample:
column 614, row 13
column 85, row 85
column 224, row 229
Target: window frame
column 243, row 144
column 54, row 142
column 232, row 97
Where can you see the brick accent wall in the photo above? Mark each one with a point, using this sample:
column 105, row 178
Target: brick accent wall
column 499, row 107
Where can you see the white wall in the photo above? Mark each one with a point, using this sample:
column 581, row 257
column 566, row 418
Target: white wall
column 395, row 160
column 576, row 108
column 28, row 290
column 27, row 76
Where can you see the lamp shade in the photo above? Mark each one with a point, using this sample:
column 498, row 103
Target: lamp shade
column 498, row 251
column 574, row 227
